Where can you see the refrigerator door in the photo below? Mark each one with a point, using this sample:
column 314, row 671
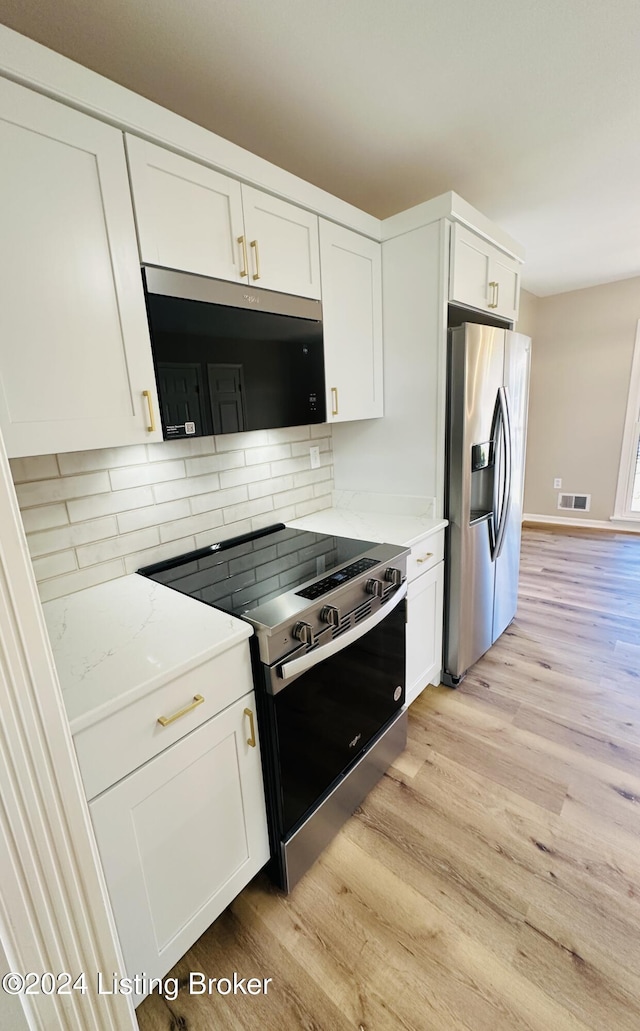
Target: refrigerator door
column 517, row 354
column 476, row 365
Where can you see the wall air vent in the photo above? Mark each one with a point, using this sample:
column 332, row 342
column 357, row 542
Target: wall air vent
column 574, row 502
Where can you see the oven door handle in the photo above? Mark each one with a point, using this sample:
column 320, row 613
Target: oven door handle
column 312, row 658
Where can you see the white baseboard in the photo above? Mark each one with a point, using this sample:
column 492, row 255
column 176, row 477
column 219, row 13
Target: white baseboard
column 611, row 525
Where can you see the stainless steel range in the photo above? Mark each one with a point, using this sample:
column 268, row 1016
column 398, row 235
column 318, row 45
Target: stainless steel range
column 328, row 658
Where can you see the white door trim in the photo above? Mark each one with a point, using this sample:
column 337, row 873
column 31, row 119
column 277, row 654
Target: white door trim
column 629, row 439
column 54, row 909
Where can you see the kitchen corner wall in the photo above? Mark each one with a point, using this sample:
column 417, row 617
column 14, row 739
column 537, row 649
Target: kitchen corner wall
column 92, row 516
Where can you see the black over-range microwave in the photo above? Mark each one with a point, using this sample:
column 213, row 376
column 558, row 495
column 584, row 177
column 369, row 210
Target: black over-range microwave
column 230, row 358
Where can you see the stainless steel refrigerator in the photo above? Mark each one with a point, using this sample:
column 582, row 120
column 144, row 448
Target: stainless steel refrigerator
column 488, row 389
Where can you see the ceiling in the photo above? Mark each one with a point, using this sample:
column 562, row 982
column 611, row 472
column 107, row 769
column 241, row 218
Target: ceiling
column 530, row 109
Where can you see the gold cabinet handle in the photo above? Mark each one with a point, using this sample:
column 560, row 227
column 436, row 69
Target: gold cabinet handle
column 244, row 271
column 425, row 558
column 251, row 740
column 256, row 274
column 152, row 422
column 497, row 294
column 164, row 721
column 334, row 400
column 494, row 294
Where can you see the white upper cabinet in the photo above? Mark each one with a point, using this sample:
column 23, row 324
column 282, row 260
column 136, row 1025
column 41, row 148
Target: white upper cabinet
column 352, row 323
column 481, row 276
column 75, row 359
column 282, row 242
column 194, row 219
column 188, row 216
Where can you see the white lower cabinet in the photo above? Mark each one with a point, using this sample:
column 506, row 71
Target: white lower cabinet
column 424, row 628
column 181, row 836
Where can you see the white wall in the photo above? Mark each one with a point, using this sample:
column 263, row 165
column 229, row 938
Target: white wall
column 91, row 516
column 580, row 367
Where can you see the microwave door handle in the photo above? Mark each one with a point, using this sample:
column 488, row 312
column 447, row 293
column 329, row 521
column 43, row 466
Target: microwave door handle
column 288, row 670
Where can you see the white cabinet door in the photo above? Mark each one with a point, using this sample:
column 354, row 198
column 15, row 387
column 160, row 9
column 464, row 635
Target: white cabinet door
column 75, row 356
column 481, row 276
column 181, row 837
column 352, row 323
column 424, row 631
column 189, row 217
column 283, row 244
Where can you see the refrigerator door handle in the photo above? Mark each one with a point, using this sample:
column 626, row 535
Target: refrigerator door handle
column 505, row 429
column 496, row 434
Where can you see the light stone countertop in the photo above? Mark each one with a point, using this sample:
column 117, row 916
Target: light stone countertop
column 381, row 527
column 118, row 641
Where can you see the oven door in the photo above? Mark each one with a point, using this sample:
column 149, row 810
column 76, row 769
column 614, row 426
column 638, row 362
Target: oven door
column 337, row 700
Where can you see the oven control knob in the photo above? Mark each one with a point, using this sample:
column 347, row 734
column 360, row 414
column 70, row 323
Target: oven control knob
column 331, row 615
column 393, row 576
column 303, row 632
column 374, row 587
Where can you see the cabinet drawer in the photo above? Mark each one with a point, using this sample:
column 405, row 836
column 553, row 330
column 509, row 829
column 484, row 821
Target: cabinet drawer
column 113, row 747
column 425, row 554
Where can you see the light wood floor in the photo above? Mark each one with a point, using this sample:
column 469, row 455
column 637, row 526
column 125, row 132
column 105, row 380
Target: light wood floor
column 492, row 879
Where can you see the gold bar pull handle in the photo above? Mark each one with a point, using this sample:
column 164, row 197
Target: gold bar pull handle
column 494, row 295
column 497, row 294
column 244, row 271
column 152, row 421
column 425, row 558
column 256, row 274
column 251, row 740
column 164, row 721
column 334, row 400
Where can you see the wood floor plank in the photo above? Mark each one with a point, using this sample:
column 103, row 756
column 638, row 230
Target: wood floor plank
column 492, row 879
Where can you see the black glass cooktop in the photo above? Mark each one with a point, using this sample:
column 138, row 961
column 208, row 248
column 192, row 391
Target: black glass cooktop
column 243, row 573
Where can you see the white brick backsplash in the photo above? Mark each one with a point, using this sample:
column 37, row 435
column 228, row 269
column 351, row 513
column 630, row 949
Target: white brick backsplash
column 139, row 475
column 191, row 525
column 271, row 453
column 279, row 515
column 82, row 578
column 242, row 441
column 316, row 505
column 233, row 477
column 92, row 554
column 291, row 497
column 185, row 488
column 214, row 463
column 107, row 504
column 42, row 467
column 92, row 516
column 301, row 448
column 45, row 517
column 54, row 565
column 152, row 515
column 170, row 449
column 43, row 491
column 146, row 558
column 288, row 433
column 223, row 533
column 272, row 486
column 289, row 465
column 69, row 536
column 218, row 499
column 105, row 458
column 247, row 509
column 323, row 474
